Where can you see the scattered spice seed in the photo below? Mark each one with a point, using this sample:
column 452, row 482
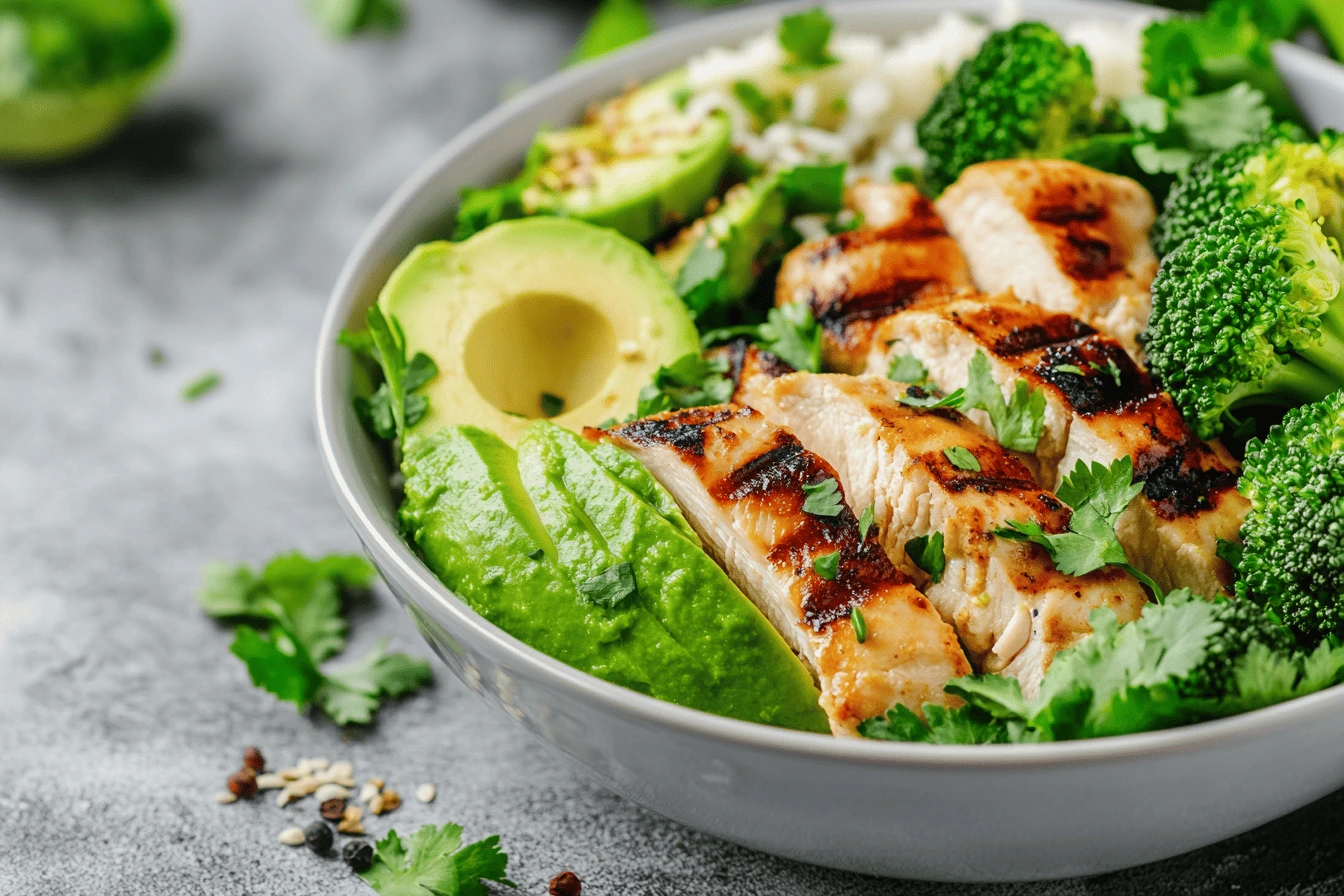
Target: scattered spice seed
column 253, row 759
column 332, row 810
column 352, row 821
column 318, row 836
column 425, row 793
column 566, row 883
column 330, row 792
column 270, row 782
column 224, row 797
column 369, row 791
column 358, row 854
column 243, row 783
column 291, row 836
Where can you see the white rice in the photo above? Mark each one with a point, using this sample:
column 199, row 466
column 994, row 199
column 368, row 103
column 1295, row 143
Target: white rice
column 863, row 109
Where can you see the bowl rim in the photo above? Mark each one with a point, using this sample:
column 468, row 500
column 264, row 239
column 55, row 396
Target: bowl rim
column 331, row 381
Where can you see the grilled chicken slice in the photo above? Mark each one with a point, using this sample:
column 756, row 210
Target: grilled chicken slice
column 740, row 481
column 854, row 278
column 1059, row 234
column 1107, row 411
column 746, row 362
column 1011, row 608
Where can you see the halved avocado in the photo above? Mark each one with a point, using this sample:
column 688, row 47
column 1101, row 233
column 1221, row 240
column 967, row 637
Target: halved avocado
column 540, row 317
column 640, row 165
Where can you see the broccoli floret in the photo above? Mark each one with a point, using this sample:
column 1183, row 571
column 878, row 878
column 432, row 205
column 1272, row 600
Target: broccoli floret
column 1025, row 93
column 1242, row 623
column 1293, row 539
column 1277, row 171
column 1247, row 313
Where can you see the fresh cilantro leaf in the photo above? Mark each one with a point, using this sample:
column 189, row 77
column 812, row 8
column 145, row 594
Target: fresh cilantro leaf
column 1111, row 369
column 961, row 458
column 347, row 18
column 827, row 565
column 939, row 726
column 907, row 369
column 917, row 397
column 1019, row 420
column 277, row 664
column 610, row 587
column 926, row 552
column 814, row 189
column 394, row 406
column 789, row 332
column 865, row 521
column 201, row 386
column 479, row 208
column 552, row 405
column 306, row 591
column 615, row 24
column 763, row 110
column 436, row 862
column 1070, row 368
column 691, row 381
column 859, row 624
column 701, row 282
column 1222, row 120
column 823, row 498
column 804, row 37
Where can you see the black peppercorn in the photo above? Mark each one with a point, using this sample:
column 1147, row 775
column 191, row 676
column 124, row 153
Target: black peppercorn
column 318, row 837
column 358, row 854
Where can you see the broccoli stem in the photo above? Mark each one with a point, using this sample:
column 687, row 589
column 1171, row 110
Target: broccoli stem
column 1328, row 354
column 1297, row 382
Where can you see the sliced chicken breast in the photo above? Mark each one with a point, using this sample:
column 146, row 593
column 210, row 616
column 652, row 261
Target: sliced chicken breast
column 1100, row 406
column 740, row 481
column 1061, row 235
column 1011, row 608
column 853, row 278
column 746, row 362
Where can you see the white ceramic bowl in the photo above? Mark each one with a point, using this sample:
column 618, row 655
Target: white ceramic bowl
column 989, row 813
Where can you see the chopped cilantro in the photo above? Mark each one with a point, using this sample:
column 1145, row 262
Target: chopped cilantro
column 435, row 863
column 823, row 498
column 610, row 587
column 962, row 458
column 827, row 565
column 1070, row 368
column 536, row 554
column 859, row 623
column 804, row 37
column 691, row 381
column 917, row 397
column 763, row 110
column 552, row 405
column 789, row 332
column 479, row 208
column 814, row 189
column 926, row 552
column 907, row 369
column 615, row 24
column 201, row 386
column 394, row 405
column 1019, row 420
column 701, row 282
column 865, row 521
column 1098, row 496
column 1111, row 369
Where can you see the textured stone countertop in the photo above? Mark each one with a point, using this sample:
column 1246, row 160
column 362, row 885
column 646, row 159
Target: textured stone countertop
column 212, row 229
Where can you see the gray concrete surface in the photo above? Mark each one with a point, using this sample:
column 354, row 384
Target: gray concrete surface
column 212, row 229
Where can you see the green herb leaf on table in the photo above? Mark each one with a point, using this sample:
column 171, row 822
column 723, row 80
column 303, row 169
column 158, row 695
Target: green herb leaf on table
column 691, row 381
column 435, row 862
column 865, row 521
column 926, row 552
column 1019, row 420
column 347, row 18
column 962, row 459
column 201, row 386
column 615, row 24
column 823, row 498
column 907, row 369
column 789, row 332
column 307, row 591
column 804, row 37
column 610, row 587
column 827, row 565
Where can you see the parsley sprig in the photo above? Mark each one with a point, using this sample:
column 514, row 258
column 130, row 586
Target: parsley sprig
column 435, row 863
column 823, row 498
column 789, row 332
column 804, row 37
column 1098, row 496
column 394, row 406
column 691, row 381
column 1019, row 420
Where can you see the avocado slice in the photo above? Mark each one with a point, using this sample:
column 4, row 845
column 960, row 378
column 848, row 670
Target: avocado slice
column 524, row 553
column 747, row 229
column 639, row 165
column 596, row 523
column 539, row 317
column 633, row 475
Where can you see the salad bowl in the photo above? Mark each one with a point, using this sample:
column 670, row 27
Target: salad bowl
column 951, row 813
